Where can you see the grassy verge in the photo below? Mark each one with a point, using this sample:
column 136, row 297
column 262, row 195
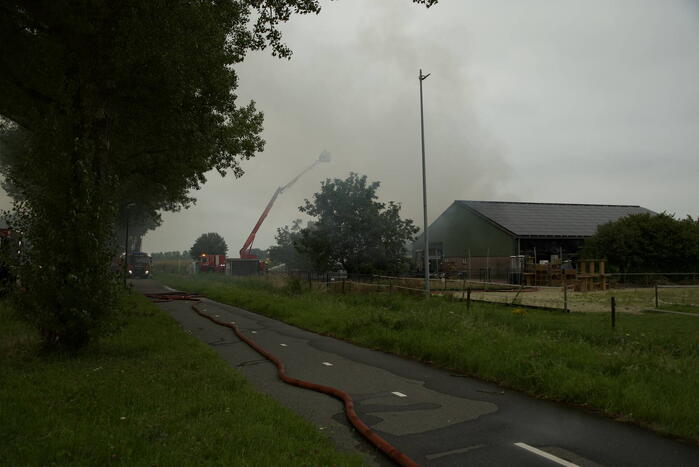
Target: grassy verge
column 150, row 395
column 645, row 371
column 683, row 308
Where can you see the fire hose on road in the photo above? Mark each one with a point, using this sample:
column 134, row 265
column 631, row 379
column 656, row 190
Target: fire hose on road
column 351, row 414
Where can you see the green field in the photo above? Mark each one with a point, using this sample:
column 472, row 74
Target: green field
column 645, row 371
column 150, row 395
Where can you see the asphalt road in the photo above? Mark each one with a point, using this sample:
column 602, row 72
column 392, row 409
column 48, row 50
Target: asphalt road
column 437, row 418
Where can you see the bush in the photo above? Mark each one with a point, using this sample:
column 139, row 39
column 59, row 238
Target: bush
column 293, row 286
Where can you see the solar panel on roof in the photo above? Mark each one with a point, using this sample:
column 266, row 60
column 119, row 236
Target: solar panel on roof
column 551, row 219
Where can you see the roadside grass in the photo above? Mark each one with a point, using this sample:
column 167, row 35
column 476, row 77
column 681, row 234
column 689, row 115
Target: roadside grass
column 174, row 266
column 645, row 371
column 149, row 395
column 683, row 308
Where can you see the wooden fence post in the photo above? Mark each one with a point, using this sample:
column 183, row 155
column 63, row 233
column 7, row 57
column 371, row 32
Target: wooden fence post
column 656, row 295
column 468, row 298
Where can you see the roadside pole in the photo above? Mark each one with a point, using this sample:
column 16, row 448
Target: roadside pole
column 656, row 296
column 426, row 250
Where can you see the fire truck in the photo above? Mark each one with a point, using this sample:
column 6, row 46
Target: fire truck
column 139, row 265
column 241, row 266
column 211, row 263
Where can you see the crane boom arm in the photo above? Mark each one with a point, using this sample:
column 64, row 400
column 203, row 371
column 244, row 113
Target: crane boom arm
column 247, row 246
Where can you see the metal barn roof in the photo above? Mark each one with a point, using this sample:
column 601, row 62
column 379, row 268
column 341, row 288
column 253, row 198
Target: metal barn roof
column 550, row 219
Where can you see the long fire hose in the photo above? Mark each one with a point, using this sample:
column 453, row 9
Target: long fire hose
column 351, row 414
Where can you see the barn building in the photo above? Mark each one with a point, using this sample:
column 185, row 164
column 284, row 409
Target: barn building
column 488, row 239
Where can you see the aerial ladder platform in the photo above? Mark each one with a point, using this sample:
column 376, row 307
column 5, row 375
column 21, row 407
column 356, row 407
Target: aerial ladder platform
column 249, row 263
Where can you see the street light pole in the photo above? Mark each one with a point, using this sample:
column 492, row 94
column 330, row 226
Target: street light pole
column 126, row 247
column 126, row 242
column 426, row 251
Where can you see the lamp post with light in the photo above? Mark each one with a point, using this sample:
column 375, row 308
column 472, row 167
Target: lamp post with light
column 426, row 251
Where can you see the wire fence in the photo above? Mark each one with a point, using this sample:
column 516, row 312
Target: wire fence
column 632, row 292
column 678, row 292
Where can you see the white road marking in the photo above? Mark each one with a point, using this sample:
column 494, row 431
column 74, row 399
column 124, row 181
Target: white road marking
column 546, row 455
column 169, row 288
column 455, row 451
column 254, row 332
column 399, row 394
column 283, row 345
column 327, row 364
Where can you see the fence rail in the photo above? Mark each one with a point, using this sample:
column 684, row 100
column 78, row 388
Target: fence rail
column 633, row 292
column 646, row 292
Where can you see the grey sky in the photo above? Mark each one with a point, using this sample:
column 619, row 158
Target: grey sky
column 547, row 101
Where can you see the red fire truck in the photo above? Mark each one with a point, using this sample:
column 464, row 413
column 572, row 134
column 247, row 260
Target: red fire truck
column 246, row 254
column 211, row 263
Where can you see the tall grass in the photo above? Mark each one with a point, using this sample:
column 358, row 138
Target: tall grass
column 646, row 370
column 150, row 395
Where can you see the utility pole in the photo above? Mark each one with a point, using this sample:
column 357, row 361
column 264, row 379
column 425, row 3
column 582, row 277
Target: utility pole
column 126, row 243
column 424, row 192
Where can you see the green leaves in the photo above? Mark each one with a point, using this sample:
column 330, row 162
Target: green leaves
column 286, row 250
column 647, row 243
column 121, row 109
column 209, row 243
column 353, row 230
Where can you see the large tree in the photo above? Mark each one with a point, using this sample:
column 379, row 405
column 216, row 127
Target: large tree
column 117, row 106
column 117, row 109
column 209, row 243
column 353, row 230
column 285, row 251
column 647, row 243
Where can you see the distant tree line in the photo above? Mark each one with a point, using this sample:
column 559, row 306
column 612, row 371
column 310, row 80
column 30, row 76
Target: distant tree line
column 168, row 255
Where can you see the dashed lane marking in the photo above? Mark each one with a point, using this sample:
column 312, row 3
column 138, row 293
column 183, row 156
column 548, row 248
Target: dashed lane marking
column 455, row 451
column 170, row 289
column 546, row 455
column 327, row 364
column 283, row 345
column 254, row 332
column 399, row 394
